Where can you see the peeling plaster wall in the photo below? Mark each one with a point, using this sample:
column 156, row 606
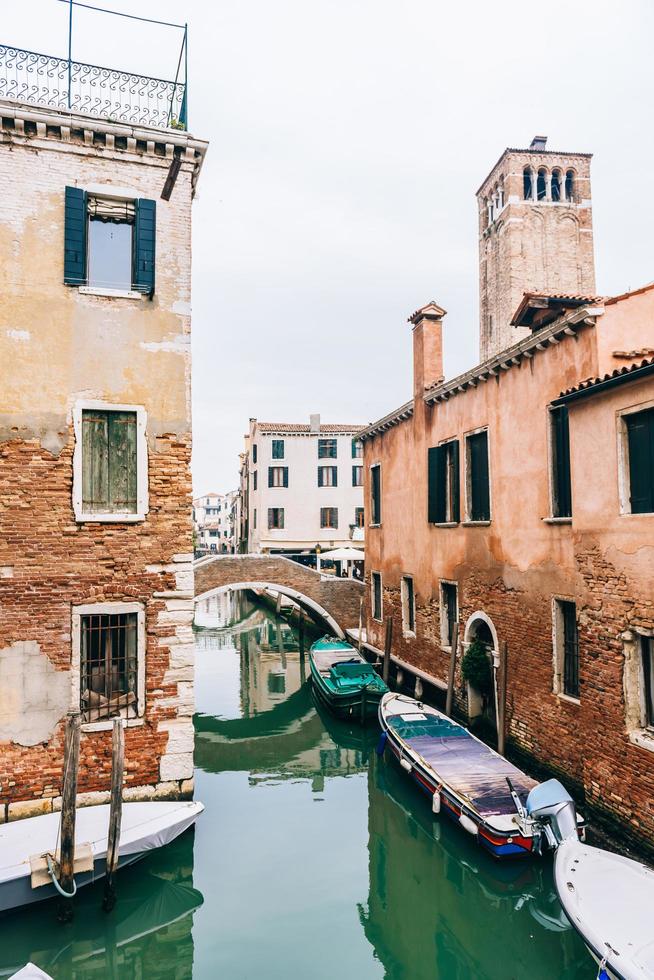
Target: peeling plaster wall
column 34, row 697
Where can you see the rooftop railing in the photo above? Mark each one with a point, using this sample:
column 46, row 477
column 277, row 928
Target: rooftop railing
column 57, row 83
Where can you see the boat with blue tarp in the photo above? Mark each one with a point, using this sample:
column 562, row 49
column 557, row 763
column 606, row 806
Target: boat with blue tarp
column 344, row 680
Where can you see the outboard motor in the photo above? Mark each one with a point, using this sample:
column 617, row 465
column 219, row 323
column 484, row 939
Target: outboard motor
column 550, row 805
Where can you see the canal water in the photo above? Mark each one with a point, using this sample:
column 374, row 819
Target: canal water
column 313, row 859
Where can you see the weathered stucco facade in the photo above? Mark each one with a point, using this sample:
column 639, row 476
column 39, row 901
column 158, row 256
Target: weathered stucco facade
column 65, row 349
column 510, row 573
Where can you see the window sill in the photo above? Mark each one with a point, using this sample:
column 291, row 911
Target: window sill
column 409, row 634
column 104, row 291
column 446, row 524
column 375, row 525
column 568, row 698
column 106, row 725
column 109, row 518
column 557, row 520
column 475, row 523
column 642, row 738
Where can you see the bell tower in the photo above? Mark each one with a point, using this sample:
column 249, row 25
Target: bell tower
column 535, row 235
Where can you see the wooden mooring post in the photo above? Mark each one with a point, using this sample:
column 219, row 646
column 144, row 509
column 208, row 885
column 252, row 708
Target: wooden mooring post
column 68, row 814
column 115, row 813
column 454, row 650
column 387, row 650
column 501, row 697
column 360, row 624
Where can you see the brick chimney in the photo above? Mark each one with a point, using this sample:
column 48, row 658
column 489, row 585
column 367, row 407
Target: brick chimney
column 427, row 347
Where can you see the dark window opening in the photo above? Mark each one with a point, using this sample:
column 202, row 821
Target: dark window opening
column 254, row 453
column 327, row 476
column 570, row 185
column 375, row 494
column 275, row 518
column 278, row 449
column 109, row 474
column 108, row 666
column 541, row 185
column 448, row 612
column 527, row 186
column 647, row 658
column 561, row 485
column 556, row 185
column 254, row 480
column 478, row 478
column 408, row 605
column 327, row 449
column 329, row 517
column 640, row 437
column 359, row 517
column 443, row 483
column 376, row 595
column 357, row 449
column 357, row 476
column 569, row 647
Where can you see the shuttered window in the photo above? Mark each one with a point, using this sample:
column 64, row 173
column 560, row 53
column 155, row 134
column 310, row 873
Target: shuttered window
column 109, row 463
column 278, row 476
column 145, row 234
column 275, row 518
column 443, row 494
column 448, row 612
column 640, row 434
column 357, row 476
column 357, row 449
column 359, row 517
column 329, row 517
column 567, row 647
column 375, row 494
column 477, row 472
column 75, row 231
column 327, row 476
column 278, row 449
column 560, row 444
column 327, row 449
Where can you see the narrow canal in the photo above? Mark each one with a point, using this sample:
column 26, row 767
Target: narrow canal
column 314, row 858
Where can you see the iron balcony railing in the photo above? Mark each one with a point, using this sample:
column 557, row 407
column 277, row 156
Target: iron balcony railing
column 57, row 83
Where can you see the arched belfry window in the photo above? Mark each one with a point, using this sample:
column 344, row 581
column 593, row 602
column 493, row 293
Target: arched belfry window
column 541, row 185
column 556, row 185
column 570, row 185
column 527, row 187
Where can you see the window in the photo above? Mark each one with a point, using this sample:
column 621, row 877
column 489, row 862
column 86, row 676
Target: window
column 110, row 462
column 647, row 667
column 477, row 479
column 408, row 606
column 560, row 462
column 254, row 519
column 443, row 483
column 449, row 612
column 566, row 648
column 357, row 476
column 109, row 242
column 359, row 517
column 254, row 480
column 570, row 185
column 278, row 476
column 327, row 449
column 278, row 449
column 640, row 450
column 329, row 517
column 376, row 585
column 375, row 494
column 527, row 186
column 254, row 453
column 357, row 449
column 556, row 185
column 541, row 185
column 109, row 649
column 275, row 518
column 327, row 476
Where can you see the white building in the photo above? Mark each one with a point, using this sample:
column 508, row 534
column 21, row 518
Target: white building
column 304, row 486
column 213, row 522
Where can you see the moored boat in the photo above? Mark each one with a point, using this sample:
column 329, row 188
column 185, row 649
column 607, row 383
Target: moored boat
column 345, row 680
column 464, row 777
column 26, row 845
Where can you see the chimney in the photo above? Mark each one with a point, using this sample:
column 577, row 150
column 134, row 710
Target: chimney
column 538, row 143
column 427, row 347
column 314, row 424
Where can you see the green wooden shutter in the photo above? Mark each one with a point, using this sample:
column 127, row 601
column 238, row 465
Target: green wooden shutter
column 640, row 430
column 122, row 462
column 480, row 491
column 456, row 489
column 145, row 233
column 285, row 468
column 95, row 462
column 436, row 473
column 320, row 483
column 270, row 476
column 75, row 229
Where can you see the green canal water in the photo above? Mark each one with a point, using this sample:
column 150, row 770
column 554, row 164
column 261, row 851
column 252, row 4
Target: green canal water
column 313, row 859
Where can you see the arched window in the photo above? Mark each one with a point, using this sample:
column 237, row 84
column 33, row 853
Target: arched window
column 541, row 185
column 570, row 185
column 556, row 185
column 527, row 188
column 500, row 197
column 489, row 211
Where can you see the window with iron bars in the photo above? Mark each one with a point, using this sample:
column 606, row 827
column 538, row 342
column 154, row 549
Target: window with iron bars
column 108, row 666
column 567, row 647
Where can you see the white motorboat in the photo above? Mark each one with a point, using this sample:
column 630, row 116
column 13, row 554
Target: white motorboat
column 24, row 844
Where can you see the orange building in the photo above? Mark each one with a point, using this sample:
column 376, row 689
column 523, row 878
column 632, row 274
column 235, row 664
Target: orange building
column 515, row 503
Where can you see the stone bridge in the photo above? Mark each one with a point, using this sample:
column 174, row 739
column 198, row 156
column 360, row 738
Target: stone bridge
column 336, row 601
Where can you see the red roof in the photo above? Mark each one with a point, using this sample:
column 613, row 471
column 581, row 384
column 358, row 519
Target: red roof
column 295, row 428
column 619, row 373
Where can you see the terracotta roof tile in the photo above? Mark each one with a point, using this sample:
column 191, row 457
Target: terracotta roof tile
column 618, row 373
column 296, row 428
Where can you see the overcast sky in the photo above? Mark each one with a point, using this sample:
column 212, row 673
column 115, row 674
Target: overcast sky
column 347, row 140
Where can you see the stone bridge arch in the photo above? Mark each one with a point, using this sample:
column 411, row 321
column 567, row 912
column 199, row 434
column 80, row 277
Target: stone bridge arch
column 336, row 601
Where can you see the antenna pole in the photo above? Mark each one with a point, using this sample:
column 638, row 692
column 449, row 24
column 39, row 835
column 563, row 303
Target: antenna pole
column 185, row 120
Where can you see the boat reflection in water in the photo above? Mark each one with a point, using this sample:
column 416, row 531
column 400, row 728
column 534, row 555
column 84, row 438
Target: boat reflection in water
column 150, row 927
column 437, row 901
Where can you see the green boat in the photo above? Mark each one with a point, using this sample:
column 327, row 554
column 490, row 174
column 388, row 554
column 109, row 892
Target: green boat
column 344, row 680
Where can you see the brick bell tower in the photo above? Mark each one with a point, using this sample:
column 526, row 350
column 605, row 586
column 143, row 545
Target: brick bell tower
column 535, row 235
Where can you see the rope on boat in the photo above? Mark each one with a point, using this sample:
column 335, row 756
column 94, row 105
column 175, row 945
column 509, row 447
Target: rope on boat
column 53, row 875
column 601, row 973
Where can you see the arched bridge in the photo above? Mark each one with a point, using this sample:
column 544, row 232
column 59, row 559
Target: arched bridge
column 334, row 600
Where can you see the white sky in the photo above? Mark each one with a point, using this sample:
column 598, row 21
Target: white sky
column 347, row 140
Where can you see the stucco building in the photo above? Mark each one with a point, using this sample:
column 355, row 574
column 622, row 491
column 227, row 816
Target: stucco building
column 515, row 503
column 96, row 577
column 302, row 486
column 214, row 522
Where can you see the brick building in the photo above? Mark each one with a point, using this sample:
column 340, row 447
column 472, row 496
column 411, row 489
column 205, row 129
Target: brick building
column 517, row 501
column 96, row 578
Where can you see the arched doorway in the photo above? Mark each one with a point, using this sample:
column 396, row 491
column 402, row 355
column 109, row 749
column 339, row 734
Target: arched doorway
column 480, row 631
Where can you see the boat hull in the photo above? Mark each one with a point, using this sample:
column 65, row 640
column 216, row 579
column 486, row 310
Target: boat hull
column 344, row 680
column 360, row 706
